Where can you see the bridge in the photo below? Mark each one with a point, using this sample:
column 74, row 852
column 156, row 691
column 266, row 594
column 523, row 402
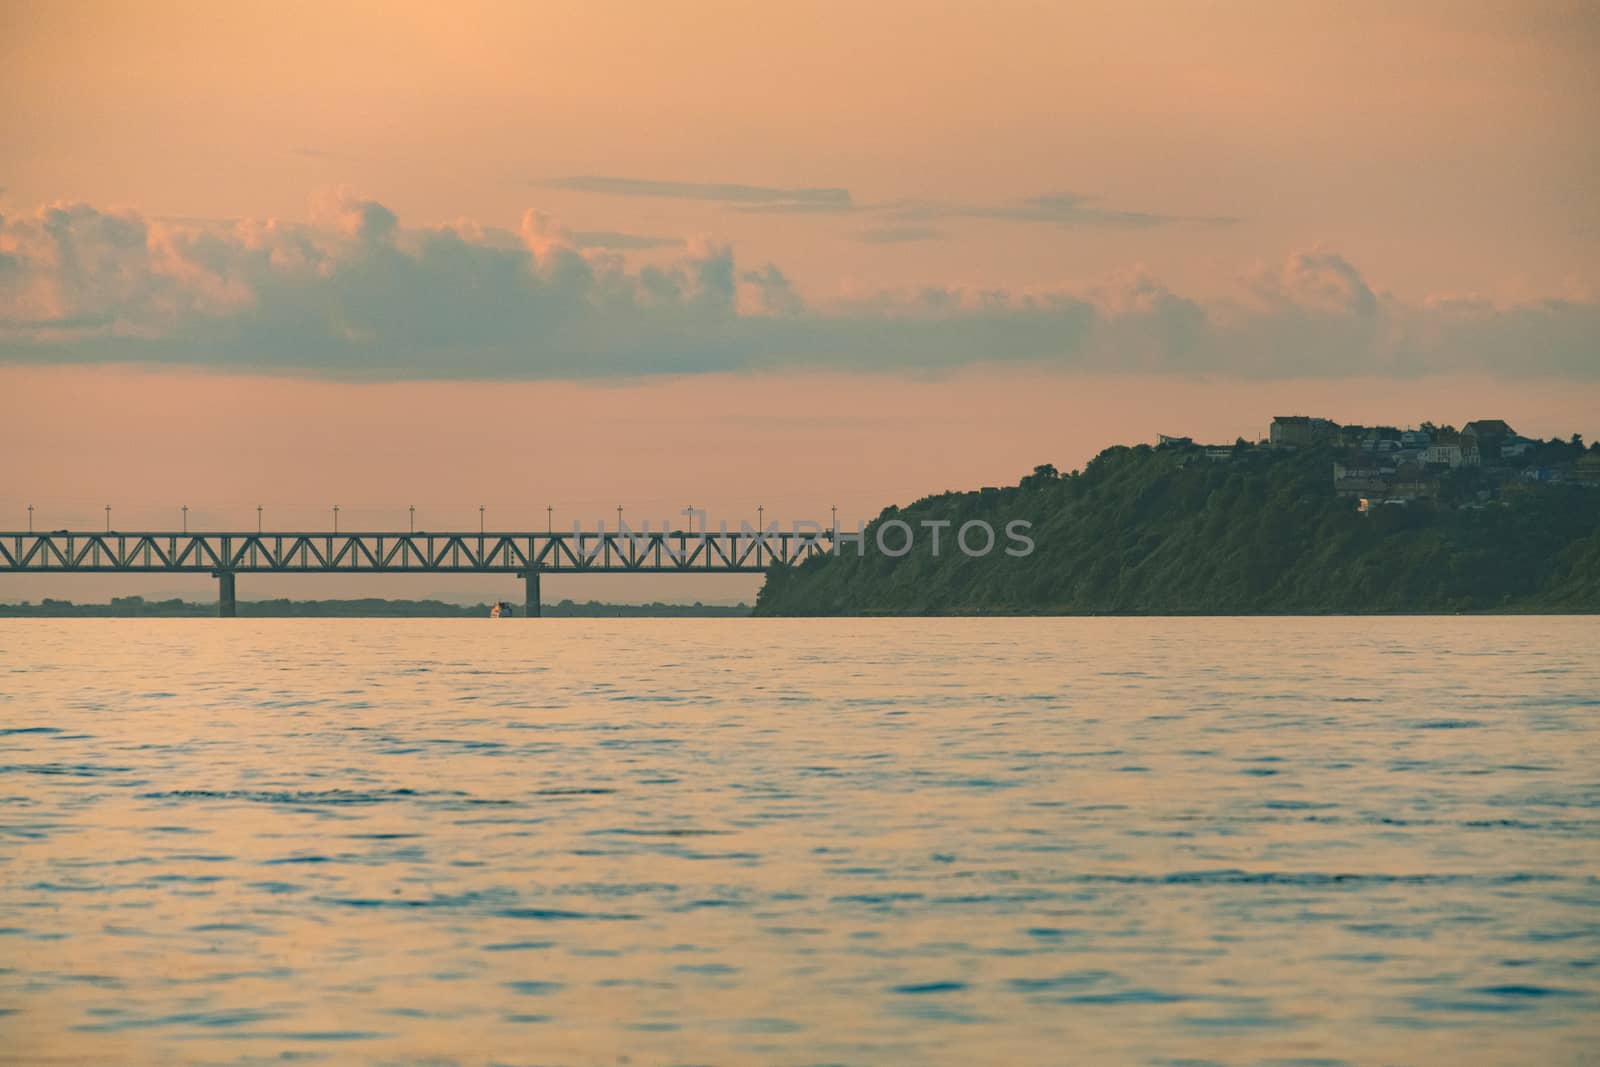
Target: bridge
column 527, row 555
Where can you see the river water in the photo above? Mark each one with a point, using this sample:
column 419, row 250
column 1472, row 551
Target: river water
column 1152, row 841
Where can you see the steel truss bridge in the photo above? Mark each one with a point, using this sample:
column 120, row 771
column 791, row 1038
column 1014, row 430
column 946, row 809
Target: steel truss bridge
column 527, row 555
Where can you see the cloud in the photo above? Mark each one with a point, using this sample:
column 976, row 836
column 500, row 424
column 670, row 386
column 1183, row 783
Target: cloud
column 893, row 235
column 358, row 294
column 1319, row 280
column 1052, row 209
column 827, row 199
column 805, row 207
column 1057, row 209
column 622, row 242
column 772, row 293
column 367, row 221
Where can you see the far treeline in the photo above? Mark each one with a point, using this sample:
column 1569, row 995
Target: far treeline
column 1246, row 530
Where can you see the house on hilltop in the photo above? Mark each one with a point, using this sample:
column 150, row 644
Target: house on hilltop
column 1296, row 431
column 1490, row 435
column 1452, row 449
column 1489, row 428
column 1370, row 438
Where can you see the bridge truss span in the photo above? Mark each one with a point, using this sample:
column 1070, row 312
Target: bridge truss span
column 527, row 555
column 376, row 553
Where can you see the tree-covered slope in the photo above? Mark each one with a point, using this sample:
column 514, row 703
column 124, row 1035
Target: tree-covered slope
column 1145, row 530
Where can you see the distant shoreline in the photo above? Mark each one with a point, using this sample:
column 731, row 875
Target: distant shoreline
column 365, row 608
column 407, row 609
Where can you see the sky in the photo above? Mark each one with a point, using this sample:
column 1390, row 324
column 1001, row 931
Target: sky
column 581, row 255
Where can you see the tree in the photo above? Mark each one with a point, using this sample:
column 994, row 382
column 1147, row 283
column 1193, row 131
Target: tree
column 1042, row 475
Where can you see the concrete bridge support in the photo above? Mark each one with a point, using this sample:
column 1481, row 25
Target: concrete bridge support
column 530, row 594
column 227, row 607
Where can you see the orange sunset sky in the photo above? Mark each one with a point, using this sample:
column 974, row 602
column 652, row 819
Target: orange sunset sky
column 729, row 254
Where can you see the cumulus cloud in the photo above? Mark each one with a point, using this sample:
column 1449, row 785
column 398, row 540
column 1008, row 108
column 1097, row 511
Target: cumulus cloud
column 355, row 293
column 771, row 292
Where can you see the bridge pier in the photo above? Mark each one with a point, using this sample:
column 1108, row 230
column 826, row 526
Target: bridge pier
column 530, row 594
column 227, row 607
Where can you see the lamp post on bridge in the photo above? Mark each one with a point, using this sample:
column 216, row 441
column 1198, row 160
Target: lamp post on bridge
column 549, row 519
column 258, row 520
column 108, row 518
column 619, row 518
column 480, row 521
column 30, row 518
column 336, row 518
column 185, row 510
column 411, row 527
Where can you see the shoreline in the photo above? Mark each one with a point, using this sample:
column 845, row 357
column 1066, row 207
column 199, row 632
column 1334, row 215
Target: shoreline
column 672, row 611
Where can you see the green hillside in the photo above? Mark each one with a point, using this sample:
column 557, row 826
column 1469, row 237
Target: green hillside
column 1147, row 530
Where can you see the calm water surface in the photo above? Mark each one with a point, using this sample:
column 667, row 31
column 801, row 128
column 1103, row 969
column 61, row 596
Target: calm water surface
column 1190, row 841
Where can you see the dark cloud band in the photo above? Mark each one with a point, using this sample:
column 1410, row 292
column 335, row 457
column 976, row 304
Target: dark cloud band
column 359, row 295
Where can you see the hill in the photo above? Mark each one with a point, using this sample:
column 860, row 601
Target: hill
column 1247, row 530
